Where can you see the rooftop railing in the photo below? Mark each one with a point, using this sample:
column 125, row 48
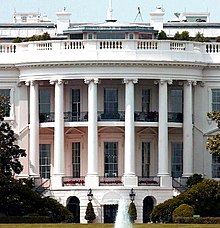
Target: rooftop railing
column 128, row 49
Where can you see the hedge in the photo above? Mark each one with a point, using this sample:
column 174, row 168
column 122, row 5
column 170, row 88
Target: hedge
column 25, row 219
column 201, row 220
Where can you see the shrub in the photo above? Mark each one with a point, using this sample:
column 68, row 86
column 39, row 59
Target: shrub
column 194, row 179
column 183, row 210
column 162, row 35
column 204, row 220
column 132, row 211
column 90, row 214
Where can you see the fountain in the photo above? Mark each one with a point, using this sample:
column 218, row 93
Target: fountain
column 122, row 218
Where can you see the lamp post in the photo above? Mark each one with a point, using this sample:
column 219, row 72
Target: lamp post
column 132, row 195
column 90, row 195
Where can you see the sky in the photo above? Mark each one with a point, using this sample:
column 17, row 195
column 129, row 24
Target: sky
column 96, row 10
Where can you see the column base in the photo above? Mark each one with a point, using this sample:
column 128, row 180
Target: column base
column 166, row 181
column 130, row 180
column 56, row 181
column 92, row 181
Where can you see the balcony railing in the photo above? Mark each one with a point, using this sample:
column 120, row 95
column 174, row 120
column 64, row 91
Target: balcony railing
column 46, row 117
column 146, row 116
column 73, row 181
column 75, row 116
column 111, row 116
column 81, row 50
column 175, row 117
column 149, row 181
column 110, row 181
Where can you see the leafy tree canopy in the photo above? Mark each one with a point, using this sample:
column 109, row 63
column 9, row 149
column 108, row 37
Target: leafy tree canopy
column 10, row 153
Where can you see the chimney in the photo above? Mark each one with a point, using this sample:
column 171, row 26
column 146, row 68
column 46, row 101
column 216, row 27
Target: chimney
column 63, row 21
column 156, row 18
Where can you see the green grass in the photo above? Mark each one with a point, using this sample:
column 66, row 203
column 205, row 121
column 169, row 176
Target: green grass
column 107, row 226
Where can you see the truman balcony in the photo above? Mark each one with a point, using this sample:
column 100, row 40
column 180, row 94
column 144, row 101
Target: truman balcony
column 109, row 50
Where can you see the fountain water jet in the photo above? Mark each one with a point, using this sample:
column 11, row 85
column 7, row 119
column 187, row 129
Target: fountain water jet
column 122, row 218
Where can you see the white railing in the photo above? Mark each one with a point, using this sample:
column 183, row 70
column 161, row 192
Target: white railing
column 131, row 49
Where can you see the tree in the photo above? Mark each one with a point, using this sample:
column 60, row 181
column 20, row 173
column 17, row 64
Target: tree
column 162, row 35
column 218, row 39
column 213, row 143
column 177, row 36
column 90, row 214
column 10, row 153
column 132, row 211
column 184, row 210
column 185, row 36
column 194, row 179
column 200, row 38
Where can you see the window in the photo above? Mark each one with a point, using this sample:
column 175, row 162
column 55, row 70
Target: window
column 111, row 100
column 176, row 100
column 215, row 166
column 45, row 160
column 111, row 159
column 119, row 36
column 90, row 36
column 76, row 104
column 6, row 92
column 215, row 99
column 76, row 159
column 145, row 100
column 145, row 159
column 130, row 36
column 44, row 101
column 177, row 159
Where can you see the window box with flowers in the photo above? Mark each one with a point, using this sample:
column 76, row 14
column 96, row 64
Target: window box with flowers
column 111, row 182
column 74, row 182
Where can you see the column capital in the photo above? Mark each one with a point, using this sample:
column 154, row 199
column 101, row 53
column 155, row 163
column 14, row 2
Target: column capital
column 30, row 83
column 127, row 80
column 88, row 80
column 163, row 82
column 19, row 84
column 58, row 81
column 191, row 82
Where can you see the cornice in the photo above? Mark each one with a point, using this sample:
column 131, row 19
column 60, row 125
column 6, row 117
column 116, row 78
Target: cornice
column 117, row 63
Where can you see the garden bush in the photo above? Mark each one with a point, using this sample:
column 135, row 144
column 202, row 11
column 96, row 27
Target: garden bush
column 201, row 220
column 183, row 210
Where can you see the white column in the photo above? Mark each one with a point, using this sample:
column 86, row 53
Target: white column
column 129, row 178
column 163, row 131
column 59, row 163
column 34, row 128
column 187, row 131
column 129, row 162
column 92, row 173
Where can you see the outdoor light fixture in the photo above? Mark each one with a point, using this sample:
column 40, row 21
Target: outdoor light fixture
column 90, row 195
column 132, row 195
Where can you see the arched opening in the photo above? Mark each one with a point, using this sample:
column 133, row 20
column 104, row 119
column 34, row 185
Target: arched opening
column 74, row 206
column 148, row 205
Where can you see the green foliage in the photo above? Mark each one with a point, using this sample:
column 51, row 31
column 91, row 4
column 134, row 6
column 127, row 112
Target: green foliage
column 204, row 197
column 44, row 36
column 182, row 36
column 90, row 214
column 217, row 39
column 183, row 210
column 200, row 38
column 203, row 220
column 18, row 199
column 132, row 211
column 10, row 153
column 162, row 35
column 194, row 179
column 213, row 143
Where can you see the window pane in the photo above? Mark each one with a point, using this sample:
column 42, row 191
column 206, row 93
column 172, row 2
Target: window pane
column 45, row 160
column 215, row 166
column 111, row 159
column 145, row 159
column 216, row 100
column 44, row 101
column 145, row 100
column 76, row 159
column 6, row 92
column 110, row 100
column 177, row 159
column 176, row 100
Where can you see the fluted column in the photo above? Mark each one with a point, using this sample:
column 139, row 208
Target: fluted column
column 187, row 130
column 34, row 128
column 59, row 164
column 163, row 130
column 92, row 128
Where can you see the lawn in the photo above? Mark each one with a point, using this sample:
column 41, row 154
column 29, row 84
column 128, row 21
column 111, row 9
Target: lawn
column 107, row 226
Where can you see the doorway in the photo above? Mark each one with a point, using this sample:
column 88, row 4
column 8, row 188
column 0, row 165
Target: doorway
column 148, row 205
column 110, row 212
column 74, row 207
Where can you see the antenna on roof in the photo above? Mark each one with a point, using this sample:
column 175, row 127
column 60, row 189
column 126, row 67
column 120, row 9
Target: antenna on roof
column 110, row 12
column 138, row 15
